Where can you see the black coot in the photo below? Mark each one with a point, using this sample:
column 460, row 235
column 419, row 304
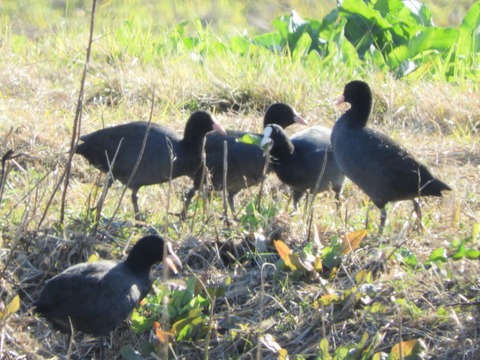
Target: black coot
column 303, row 160
column 166, row 154
column 98, row 296
column 245, row 163
column 377, row 164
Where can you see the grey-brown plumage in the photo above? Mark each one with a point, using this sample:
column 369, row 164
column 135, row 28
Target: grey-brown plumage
column 383, row 169
column 166, row 154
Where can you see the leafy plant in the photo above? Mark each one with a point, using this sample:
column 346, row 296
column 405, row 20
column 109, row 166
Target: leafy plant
column 186, row 309
column 393, row 35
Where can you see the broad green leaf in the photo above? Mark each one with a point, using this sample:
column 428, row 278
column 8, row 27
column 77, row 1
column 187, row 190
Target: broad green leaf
column 439, row 254
column 296, row 29
column 363, row 9
column 140, row 323
column 216, row 291
column 460, row 253
column 364, row 277
column 469, row 32
column 407, row 256
column 295, row 262
column 94, row 257
column 324, row 348
column 252, row 139
column 428, row 39
column 239, row 44
column 302, row 46
column 272, row 41
column 331, row 255
column 472, row 254
column 377, row 308
column 327, row 299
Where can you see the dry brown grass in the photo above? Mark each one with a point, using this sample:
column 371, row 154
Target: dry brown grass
column 438, row 122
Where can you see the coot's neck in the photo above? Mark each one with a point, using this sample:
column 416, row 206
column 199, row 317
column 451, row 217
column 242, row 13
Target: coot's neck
column 282, row 147
column 193, row 138
column 360, row 111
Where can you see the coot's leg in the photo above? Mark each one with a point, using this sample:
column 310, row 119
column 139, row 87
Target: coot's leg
column 296, row 195
column 383, row 220
column 136, row 209
column 102, row 348
column 103, row 195
column 337, row 200
column 418, row 212
column 231, row 201
column 367, row 217
column 186, row 203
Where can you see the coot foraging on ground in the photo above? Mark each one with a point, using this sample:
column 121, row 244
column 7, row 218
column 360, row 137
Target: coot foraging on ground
column 378, row 165
column 304, row 161
column 96, row 297
column 166, row 155
column 245, row 162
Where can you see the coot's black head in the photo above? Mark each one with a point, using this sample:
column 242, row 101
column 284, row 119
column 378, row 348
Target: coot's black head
column 283, row 115
column 145, row 253
column 278, row 141
column 359, row 95
column 200, row 123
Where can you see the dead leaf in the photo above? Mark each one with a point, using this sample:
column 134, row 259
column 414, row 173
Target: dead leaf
column 163, row 336
column 12, row 307
column 352, row 241
column 282, row 248
column 410, row 349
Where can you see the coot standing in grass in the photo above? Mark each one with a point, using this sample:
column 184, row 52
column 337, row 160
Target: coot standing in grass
column 96, row 297
column 245, row 162
column 378, row 165
column 305, row 161
column 166, row 155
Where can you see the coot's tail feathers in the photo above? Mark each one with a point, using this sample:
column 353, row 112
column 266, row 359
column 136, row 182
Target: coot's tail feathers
column 434, row 188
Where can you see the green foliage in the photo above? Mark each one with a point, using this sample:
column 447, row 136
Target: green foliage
column 468, row 248
column 393, row 35
column 388, row 35
column 186, row 309
column 350, row 351
column 255, row 218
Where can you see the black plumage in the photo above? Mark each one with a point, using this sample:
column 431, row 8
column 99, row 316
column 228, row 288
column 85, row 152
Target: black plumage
column 305, row 161
column 245, row 162
column 166, row 155
column 98, row 296
column 383, row 169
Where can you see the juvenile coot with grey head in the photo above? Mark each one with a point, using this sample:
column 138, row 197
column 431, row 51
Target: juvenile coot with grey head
column 383, row 169
column 96, row 297
column 245, row 162
column 304, row 161
column 166, row 155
